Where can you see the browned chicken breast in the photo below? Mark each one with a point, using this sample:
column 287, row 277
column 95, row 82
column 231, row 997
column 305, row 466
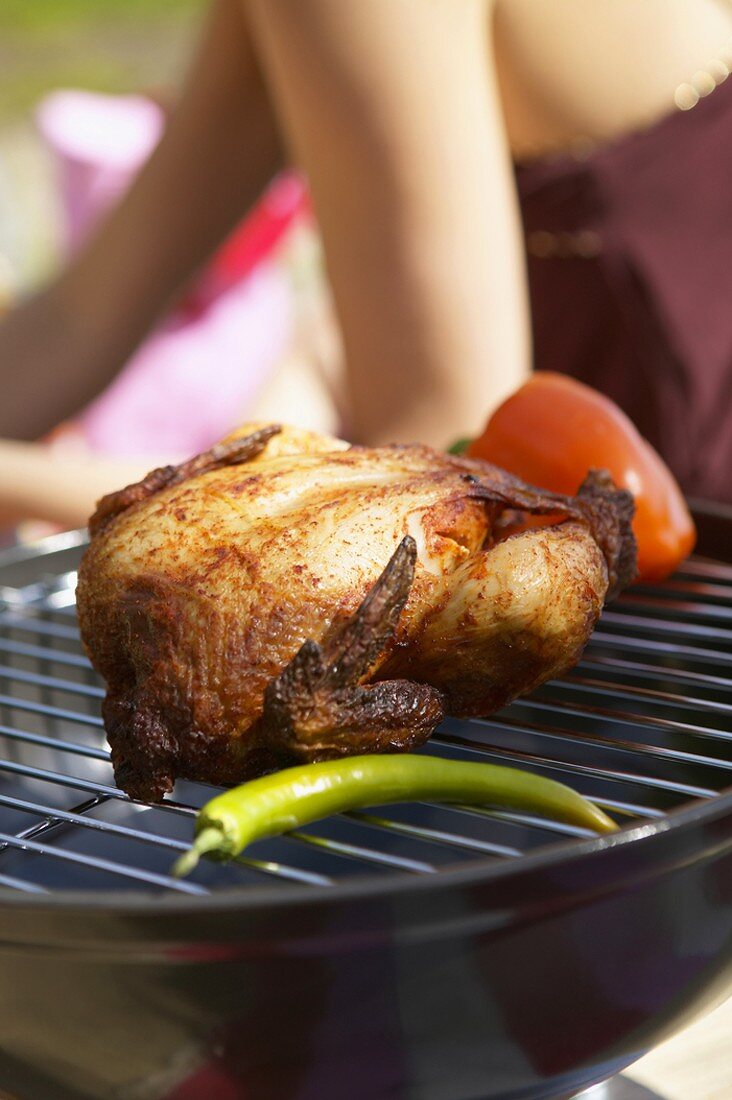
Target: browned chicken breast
column 285, row 597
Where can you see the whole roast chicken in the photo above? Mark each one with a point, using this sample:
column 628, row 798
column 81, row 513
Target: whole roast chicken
column 286, row 597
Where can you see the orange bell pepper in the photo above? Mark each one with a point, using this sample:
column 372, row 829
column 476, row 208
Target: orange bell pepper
column 554, row 429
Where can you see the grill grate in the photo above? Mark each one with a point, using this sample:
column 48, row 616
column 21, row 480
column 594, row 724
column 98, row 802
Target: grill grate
column 642, row 725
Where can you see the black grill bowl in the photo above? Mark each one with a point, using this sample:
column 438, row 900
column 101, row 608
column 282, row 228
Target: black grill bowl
column 529, row 981
column 522, row 978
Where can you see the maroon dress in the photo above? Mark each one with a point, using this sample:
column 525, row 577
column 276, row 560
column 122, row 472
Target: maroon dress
column 630, row 274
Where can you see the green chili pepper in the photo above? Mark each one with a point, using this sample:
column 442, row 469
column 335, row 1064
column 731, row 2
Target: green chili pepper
column 294, row 797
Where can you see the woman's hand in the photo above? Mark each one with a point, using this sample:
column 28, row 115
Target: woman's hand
column 59, row 486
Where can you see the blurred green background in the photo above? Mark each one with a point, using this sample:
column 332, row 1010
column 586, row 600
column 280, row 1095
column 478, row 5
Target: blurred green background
column 107, row 45
column 102, row 45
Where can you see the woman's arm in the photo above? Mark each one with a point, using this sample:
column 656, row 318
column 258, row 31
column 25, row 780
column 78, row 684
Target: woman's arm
column 393, row 111
column 220, row 148
column 38, row 483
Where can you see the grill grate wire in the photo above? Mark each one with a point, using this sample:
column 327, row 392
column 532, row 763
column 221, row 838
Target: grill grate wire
column 642, row 725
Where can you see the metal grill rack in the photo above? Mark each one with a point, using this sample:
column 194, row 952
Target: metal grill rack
column 642, row 726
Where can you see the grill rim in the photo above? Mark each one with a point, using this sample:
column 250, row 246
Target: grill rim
column 472, row 873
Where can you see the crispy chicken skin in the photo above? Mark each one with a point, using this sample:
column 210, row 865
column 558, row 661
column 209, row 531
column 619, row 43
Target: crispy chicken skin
column 285, row 597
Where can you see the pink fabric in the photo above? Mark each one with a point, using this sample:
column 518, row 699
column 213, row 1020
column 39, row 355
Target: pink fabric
column 191, row 381
column 98, row 143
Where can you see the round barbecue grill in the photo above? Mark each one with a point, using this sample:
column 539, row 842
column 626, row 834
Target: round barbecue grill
column 422, row 952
